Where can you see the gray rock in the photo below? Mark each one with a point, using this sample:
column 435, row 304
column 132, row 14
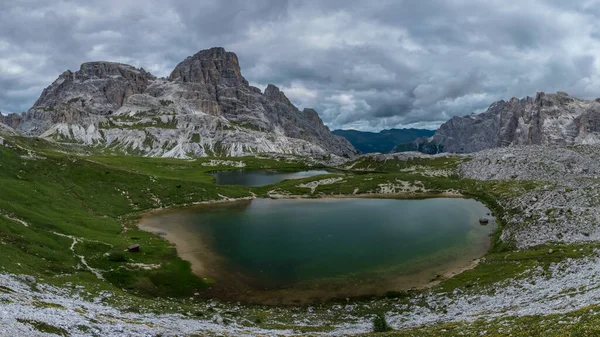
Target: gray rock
column 29, row 278
column 6, row 129
column 217, row 319
column 10, row 121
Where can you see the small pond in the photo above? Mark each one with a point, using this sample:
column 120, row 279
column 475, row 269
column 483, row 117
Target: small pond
column 300, row 251
column 260, row 177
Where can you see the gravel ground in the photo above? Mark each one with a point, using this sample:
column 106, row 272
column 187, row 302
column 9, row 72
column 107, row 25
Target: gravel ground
column 82, row 318
column 570, row 285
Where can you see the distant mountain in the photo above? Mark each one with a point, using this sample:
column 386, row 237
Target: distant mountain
column 204, row 108
column 546, row 119
column 384, row 141
column 6, row 130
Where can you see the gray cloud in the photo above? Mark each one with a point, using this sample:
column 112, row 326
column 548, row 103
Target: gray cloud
column 360, row 65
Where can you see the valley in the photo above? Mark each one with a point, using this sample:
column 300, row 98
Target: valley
column 67, row 219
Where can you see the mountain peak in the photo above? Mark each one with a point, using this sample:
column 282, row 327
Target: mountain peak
column 210, row 66
column 118, row 82
column 273, row 93
column 103, row 69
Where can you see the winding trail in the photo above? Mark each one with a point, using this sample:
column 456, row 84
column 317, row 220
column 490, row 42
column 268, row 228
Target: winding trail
column 22, row 222
column 76, row 240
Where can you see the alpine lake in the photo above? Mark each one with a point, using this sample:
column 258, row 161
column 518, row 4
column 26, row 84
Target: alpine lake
column 260, row 177
column 300, row 251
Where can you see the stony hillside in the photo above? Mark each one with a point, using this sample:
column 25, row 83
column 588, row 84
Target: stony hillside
column 546, row 119
column 205, row 107
column 565, row 208
column 5, row 131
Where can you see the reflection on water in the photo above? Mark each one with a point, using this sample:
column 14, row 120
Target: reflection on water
column 260, row 178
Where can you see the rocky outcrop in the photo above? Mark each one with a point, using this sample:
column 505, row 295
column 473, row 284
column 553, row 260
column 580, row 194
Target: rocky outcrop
column 77, row 98
column 11, row 120
column 99, row 87
column 204, row 107
column 546, row 119
column 6, row 130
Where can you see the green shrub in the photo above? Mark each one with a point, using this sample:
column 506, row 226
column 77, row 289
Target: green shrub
column 380, row 324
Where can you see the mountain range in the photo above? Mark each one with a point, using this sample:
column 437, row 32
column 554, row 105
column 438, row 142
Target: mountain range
column 384, row 141
column 546, row 119
column 204, row 107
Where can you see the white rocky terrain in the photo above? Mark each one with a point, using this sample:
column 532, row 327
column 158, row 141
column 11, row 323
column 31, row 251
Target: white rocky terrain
column 205, row 107
column 5, row 130
column 564, row 205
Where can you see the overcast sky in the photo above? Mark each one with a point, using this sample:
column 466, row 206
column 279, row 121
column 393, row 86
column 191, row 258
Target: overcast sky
column 365, row 65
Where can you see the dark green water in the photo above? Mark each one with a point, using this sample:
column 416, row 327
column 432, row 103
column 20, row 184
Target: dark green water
column 260, row 178
column 278, row 244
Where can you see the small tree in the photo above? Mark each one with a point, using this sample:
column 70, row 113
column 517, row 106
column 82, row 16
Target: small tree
column 380, row 324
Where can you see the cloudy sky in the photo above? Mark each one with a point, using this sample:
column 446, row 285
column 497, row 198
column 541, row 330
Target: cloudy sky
column 365, row 65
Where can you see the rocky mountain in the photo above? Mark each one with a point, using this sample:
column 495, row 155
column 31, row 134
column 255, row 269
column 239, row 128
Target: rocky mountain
column 204, row 107
column 5, row 129
column 546, row 119
column 383, row 141
column 11, row 120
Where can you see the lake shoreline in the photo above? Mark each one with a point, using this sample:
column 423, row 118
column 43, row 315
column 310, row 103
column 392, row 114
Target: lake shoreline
column 207, row 264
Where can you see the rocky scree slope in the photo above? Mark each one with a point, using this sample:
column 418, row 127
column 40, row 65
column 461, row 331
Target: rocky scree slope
column 204, row 107
column 565, row 208
column 546, row 119
column 5, row 130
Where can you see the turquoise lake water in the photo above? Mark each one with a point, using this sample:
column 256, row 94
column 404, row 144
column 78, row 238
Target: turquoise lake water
column 260, row 178
column 316, row 244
